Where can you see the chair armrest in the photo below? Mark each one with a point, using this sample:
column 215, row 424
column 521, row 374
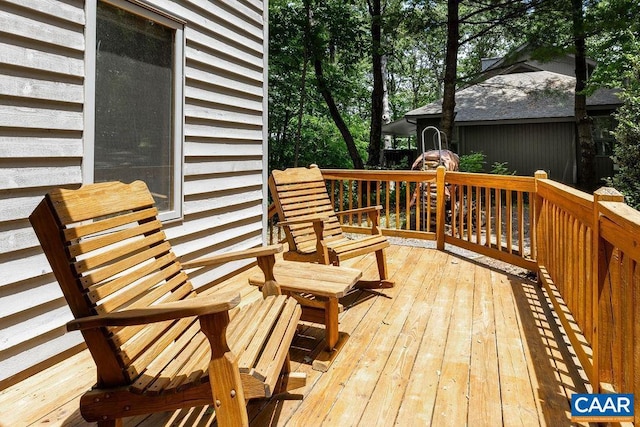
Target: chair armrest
column 199, row 306
column 312, row 219
column 233, row 256
column 360, row 210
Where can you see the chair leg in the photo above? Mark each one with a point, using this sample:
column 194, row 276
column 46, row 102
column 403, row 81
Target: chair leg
column 331, row 322
column 289, row 380
column 382, row 265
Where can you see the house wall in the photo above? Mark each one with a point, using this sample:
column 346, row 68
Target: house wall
column 526, row 147
column 42, row 144
column 563, row 65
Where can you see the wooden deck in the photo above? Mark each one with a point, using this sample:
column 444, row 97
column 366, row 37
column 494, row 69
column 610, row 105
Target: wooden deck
column 454, row 343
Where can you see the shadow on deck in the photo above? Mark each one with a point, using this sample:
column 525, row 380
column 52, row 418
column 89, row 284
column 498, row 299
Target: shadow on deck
column 453, row 343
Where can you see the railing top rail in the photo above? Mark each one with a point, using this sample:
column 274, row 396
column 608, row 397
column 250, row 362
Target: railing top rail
column 377, row 175
column 546, row 186
column 568, row 199
column 501, row 182
column 626, row 217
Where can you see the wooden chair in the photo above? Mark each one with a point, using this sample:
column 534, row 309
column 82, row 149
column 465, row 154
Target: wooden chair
column 312, row 228
column 156, row 344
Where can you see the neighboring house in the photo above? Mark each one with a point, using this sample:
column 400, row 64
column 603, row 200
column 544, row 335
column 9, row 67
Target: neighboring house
column 171, row 92
column 522, row 114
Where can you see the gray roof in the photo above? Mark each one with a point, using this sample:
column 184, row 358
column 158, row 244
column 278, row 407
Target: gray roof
column 400, row 127
column 518, row 96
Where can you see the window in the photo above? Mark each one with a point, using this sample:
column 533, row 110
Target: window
column 602, row 128
column 137, row 127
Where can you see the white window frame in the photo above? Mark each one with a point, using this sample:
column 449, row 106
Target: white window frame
column 146, row 11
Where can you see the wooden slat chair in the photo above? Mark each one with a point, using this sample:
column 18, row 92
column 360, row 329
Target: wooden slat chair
column 156, row 344
column 312, row 228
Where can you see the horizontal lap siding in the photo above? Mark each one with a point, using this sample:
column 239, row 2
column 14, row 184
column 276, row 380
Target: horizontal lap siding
column 42, row 74
column 223, row 149
column 41, row 122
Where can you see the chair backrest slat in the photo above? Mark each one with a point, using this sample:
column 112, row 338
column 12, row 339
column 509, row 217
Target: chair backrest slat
column 109, row 223
column 120, row 335
column 301, row 194
column 103, row 290
column 105, row 199
column 93, row 277
column 108, row 251
column 101, row 241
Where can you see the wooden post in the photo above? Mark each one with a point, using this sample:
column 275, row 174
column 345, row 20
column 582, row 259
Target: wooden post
column 441, row 204
column 321, row 246
column 600, row 343
column 266, row 264
column 539, row 223
column 224, row 375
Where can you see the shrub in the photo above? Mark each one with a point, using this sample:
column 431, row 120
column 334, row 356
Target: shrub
column 473, row 162
column 500, row 168
column 627, row 150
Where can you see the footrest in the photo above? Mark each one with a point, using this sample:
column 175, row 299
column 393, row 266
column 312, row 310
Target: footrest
column 317, row 287
column 316, row 279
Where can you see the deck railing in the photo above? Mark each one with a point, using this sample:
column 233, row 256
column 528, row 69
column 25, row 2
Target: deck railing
column 488, row 214
column 402, row 213
column 585, row 248
column 589, row 249
column 565, row 219
column 493, row 215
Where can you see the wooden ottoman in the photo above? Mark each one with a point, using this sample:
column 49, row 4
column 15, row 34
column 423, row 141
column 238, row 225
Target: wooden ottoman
column 317, row 287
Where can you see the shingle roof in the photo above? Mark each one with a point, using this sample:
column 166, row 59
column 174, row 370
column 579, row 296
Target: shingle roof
column 518, row 96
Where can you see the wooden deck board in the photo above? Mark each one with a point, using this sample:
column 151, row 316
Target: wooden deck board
column 453, row 343
column 382, row 339
column 421, row 391
column 484, row 380
column 452, row 398
column 388, row 394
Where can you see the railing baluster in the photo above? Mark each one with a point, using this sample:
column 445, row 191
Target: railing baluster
column 407, row 207
column 468, row 212
column 489, row 216
column 398, row 189
column 478, row 213
column 332, row 195
column 509, row 221
column 387, row 196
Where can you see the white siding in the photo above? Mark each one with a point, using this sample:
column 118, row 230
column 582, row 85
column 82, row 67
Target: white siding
column 42, row 92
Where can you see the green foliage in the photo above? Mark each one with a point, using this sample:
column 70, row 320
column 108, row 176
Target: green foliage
column 615, row 44
column 473, row 162
column 413, row 39
column 627, row 149
column 500, row 168
column 321, row 145
column 616, row 47
column 338, row 33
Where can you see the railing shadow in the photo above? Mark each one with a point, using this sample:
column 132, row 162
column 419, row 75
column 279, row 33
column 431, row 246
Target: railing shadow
column 555, row 371
column 556, row 367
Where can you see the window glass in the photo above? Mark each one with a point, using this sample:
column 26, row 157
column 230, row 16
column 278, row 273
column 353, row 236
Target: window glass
column 134, row 102
column 602, row 128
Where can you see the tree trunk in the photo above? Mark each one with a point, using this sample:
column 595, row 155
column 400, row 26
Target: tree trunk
column 326, row 93
column 451, row 70
column 386, row 109
column 335, row 115
column 303, row 94
column 584, row 142
column 375, row 136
